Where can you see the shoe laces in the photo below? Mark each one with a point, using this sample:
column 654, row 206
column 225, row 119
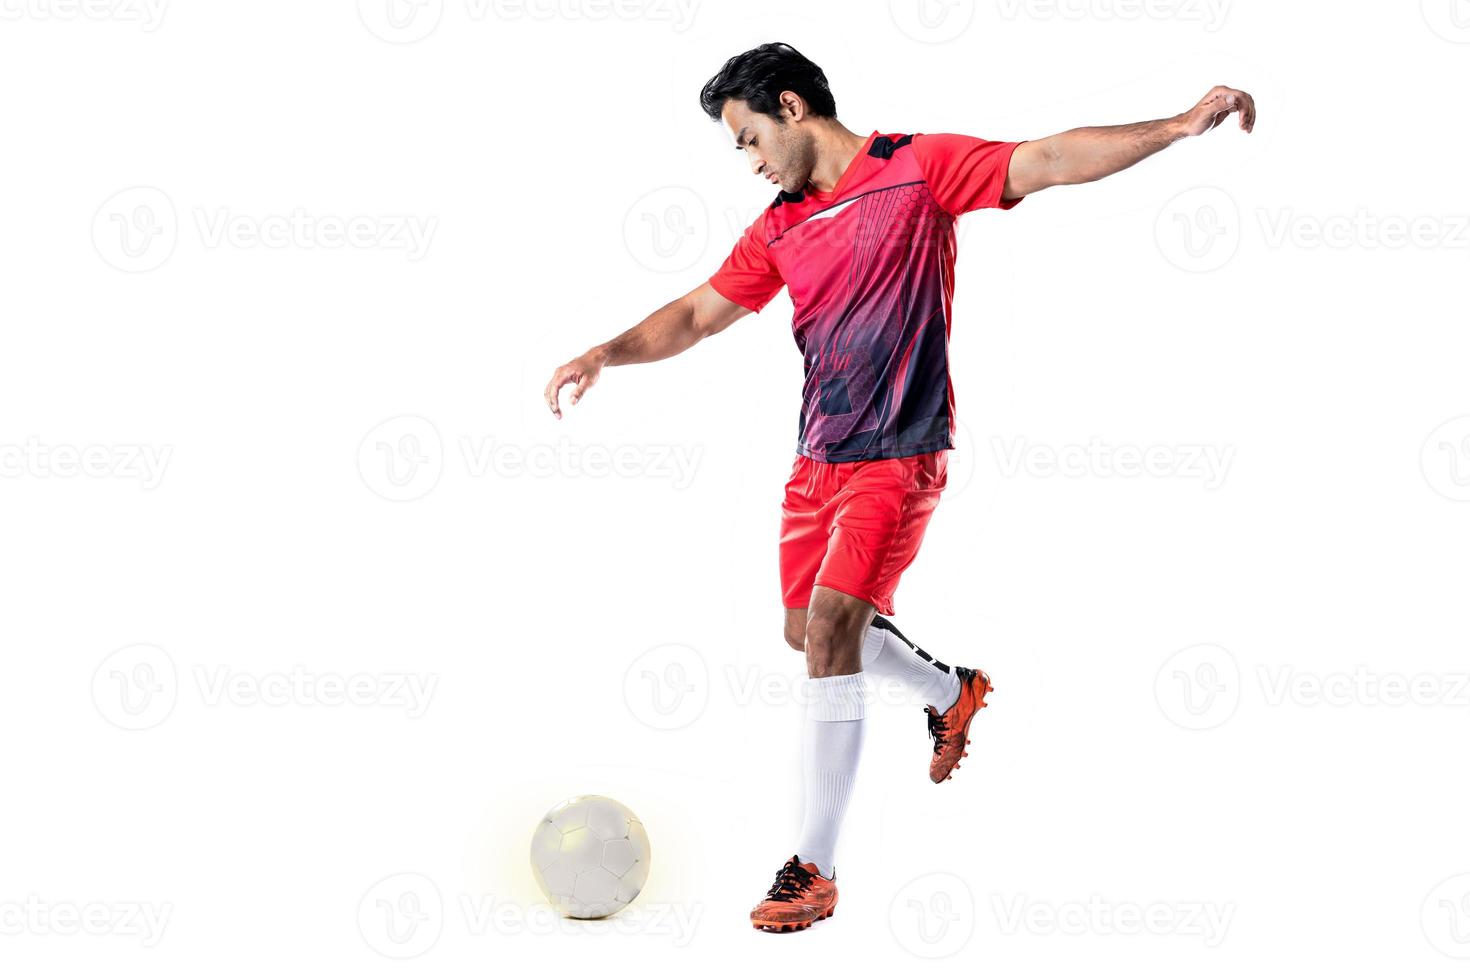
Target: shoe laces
column 791, row 882
column 938, row 728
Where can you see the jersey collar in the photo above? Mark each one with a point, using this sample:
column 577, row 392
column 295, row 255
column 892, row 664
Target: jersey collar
column 851, row 171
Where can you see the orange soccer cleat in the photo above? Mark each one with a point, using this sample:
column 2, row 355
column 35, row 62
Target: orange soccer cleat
column 951, row 729
column 799, row 897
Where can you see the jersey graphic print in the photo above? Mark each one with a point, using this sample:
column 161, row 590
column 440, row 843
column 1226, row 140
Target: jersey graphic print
column 870, row 269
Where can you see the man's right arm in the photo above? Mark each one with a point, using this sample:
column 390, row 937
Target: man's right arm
column 672, row 329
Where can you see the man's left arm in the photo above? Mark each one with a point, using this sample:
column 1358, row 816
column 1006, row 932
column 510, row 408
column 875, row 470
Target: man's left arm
column 1082, row 155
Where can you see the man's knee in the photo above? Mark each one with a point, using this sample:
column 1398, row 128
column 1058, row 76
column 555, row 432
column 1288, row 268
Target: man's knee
column 832, row 639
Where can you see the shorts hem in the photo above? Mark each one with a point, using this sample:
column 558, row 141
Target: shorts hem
column 857, row 592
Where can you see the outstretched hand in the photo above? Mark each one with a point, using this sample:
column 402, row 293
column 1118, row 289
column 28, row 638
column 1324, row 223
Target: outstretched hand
column 1216, row 107
column 583, row 372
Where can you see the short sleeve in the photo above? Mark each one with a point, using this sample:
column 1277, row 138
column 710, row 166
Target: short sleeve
column 749, row 276
column 965, row 173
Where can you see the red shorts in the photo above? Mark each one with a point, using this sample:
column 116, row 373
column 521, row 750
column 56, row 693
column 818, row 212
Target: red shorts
column 855, row 527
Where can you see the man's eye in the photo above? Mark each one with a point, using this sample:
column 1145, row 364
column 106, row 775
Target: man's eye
column 750, row 142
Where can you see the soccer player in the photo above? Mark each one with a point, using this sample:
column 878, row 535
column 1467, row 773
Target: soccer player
column 861, row 233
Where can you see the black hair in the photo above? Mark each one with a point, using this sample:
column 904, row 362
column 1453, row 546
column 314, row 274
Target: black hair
column 760, row 75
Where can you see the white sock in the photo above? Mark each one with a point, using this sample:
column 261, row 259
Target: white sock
column 836, row 713
column 889, row 656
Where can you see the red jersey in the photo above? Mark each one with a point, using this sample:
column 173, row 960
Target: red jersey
column 870, row 269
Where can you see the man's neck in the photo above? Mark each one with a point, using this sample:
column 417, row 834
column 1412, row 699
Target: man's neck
column 837, row 146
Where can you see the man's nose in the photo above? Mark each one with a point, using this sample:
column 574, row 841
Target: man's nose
column 756, row 164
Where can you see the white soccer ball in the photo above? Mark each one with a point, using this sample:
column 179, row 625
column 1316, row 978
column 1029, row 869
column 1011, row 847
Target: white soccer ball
column 590, row 856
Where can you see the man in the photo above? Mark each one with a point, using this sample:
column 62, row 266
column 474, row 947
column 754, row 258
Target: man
column 862, row 235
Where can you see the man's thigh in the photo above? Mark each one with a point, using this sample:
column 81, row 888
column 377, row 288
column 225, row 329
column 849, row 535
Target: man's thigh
column 878, row 525
column 856, row 538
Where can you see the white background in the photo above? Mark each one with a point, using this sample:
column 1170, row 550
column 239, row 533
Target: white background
column 1236, row 693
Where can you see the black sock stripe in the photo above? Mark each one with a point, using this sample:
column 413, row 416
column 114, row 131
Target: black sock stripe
column 886, row 624
column 943, row 667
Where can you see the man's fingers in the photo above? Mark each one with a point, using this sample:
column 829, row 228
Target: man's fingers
column 1232, row 104
column 565, row 375
column 553, row 390
column 1246, row 106
column 1243, row 103
column 1222, row 101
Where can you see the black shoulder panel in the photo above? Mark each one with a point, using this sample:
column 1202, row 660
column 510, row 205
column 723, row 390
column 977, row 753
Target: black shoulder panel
column 883, row 147
column 784, row 198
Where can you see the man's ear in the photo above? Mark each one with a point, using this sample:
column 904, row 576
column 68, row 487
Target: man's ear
column 793, row 107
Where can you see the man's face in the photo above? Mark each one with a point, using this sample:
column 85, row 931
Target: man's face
column 781, row 152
